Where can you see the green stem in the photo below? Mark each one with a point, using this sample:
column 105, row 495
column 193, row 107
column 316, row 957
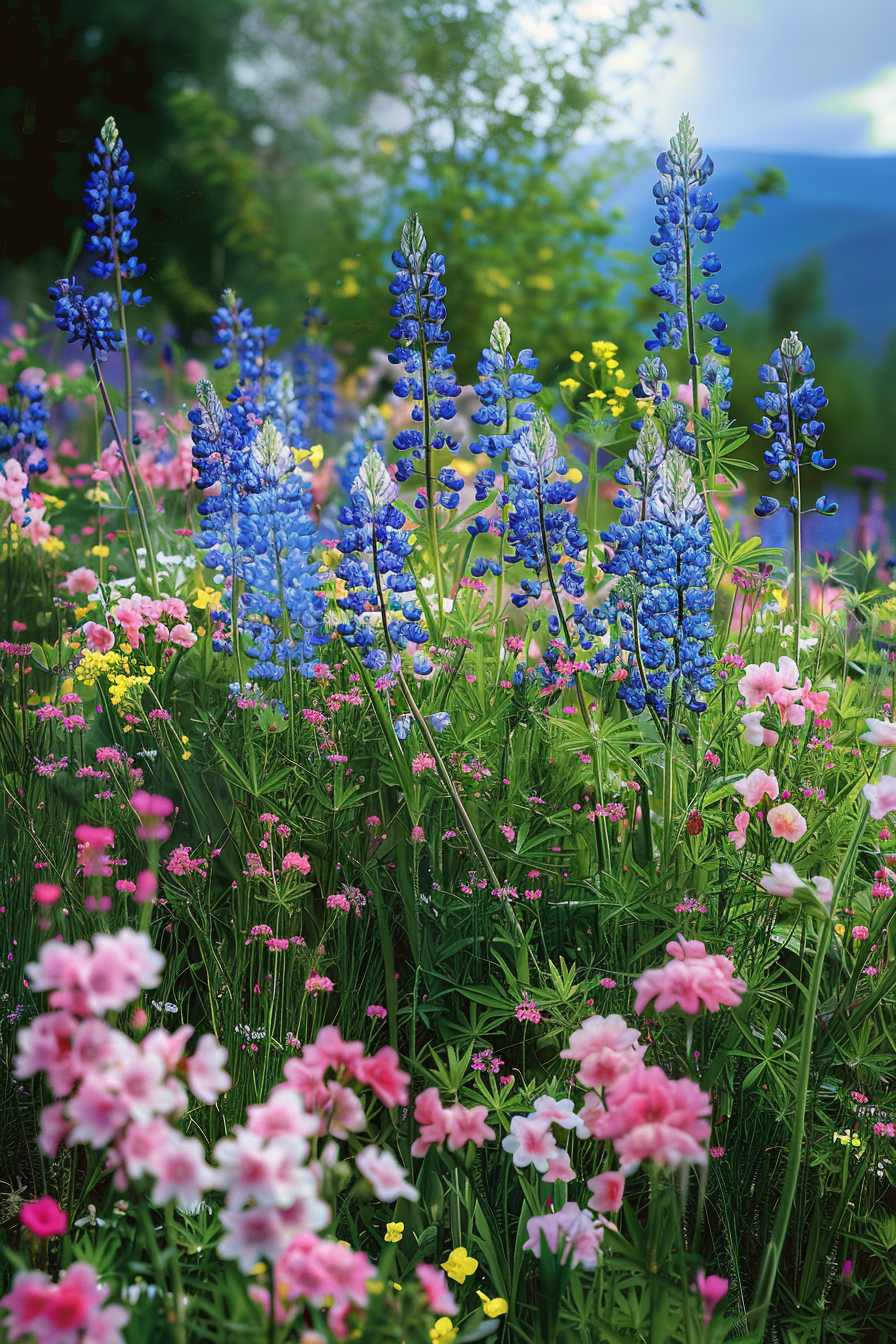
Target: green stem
column 132, row 481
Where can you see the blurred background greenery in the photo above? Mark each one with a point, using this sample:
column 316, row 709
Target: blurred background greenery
column 278, row 145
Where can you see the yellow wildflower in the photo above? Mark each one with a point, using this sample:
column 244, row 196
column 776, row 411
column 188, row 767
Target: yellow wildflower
column 571, row 383
column 205, row 598
column 505, row 309
column 349, row 288
column 577, row 356
column 574, row 475
column 492, row 1306
column 545, row 253
column 839, row 929
column 52, row 545
column 443, row 1331
column 622, row 391
column 597, row 395
column 385, row 145
column 394, row 1231
column 459, row 1264
column 349, row 263
column 100, row 551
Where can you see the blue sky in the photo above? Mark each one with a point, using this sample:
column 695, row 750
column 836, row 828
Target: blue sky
column 807, row 76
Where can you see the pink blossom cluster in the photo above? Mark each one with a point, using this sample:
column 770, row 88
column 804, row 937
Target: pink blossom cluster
column 455, row 1125
column 323, row 1273
column 335, row 1105
column 784, row 821
column 27, row 510
column 780, row 686
column 110, row 1091
column 133, row 614
column 71, row 1311
column 692, row 980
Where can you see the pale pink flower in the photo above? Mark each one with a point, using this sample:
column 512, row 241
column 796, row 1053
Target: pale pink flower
column 786, row 823
column 754, row 733
column 318, row 1270
column 66, row 1312
column 739, row 835
column 589, row 1115
column 386, row 1176
column 81, row 580
column 54, row 1126
column 316, row 984
column 651, row 1116
column 432, row 1117
column 756, row 786
column 530, row 1141
column 881, row 796
column 572, row 1231
column 824, row 888
column 783, row 880
column 607, row 1191
column 559, row 1168
column 96, row 1115
column 417, row 836
column 329, row 1051
column 881, row 733
column 760, row 680
column 265, row 1171
column 435, row 1285
column 180, row 1171
column 282, row 1115
column 712, row 1288
column 295, row 860
column 342, row 1112
column 206, row 1073
column 99, row 638
column 562, row 1113
column 607, row 1047
column 466, row 1124
column 817, row 701
column 183, row 635
column 263, row 1233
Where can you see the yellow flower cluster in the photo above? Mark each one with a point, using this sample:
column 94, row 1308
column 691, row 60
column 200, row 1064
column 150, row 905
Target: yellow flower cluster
column 95, row 665
column 849, row 1139
column 594, row 373
column 125, row 682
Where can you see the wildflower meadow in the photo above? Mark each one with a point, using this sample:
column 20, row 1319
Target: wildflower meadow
column 446, row 853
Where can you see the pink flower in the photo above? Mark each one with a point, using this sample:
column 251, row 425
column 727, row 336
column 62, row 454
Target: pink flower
column 46, row 893
column 530, row 1141
column 817, row 701
column 295, row 860
column 183, row 635
column 739, row 835
column 607, row 1048
column 99, row 638
column 92, row 842
column 147, row 885
column 650, row 1116
column 432, row 1118
column 881, row 796
column 860, row 932
column 206, row 1074
column 263, row 1233
column 691, row 979
column 44, row 1217
column 508, row 833
column 786, row 823
column 562, row 1113
column 316, row 984
column 572, row 1229
column 376, row 1010
column 180, row 1170
column 381, row 1073
column 607, row 1191
column 317, row 1270
column 760, row 680
column 559, row 1168
column 385, row 1175
column 754, row 733
column 783, row 880
column 712, row 1288
column 152, row 808
column 755, row 787
column 417, row 836
column 64, row 1312
column 81, row 580
column 435, row 1285
column 466, row 1124
column 881, row 733
column 423, row 762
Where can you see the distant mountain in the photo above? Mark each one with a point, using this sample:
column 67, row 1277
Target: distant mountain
column 843, row 208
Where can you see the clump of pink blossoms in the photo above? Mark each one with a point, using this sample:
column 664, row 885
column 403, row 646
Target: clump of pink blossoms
column 692, row 979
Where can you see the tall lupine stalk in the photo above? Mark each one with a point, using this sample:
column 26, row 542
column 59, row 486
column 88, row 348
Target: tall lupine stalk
column 422, row 351
column 790, row 421
column 687, row 215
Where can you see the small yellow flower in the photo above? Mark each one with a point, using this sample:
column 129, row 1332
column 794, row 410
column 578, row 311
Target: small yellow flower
column 541, row 282
column 574, row 475
column 349, row 263
column 185, row 755
column 571, row 383
column 622, row 391
column 53, row 545
column 492, row 1306
column 597, row 395
column 839, row 929
column 577, row 356
column 443, row 1331
column 184, row 738
column 505, row 309
column 100, row 551
column 459, row 1264
column 394, row 1231
column 349, row 288
column 98, row 496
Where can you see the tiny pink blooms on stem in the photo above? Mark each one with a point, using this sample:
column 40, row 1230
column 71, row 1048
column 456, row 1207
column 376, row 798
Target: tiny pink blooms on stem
column 691, row 980
column 756, row 786
column 712, row 1288
column 44, row 1218
column 527, row 1011
column 738, row 836
column 417, row 836
column 786, row 823
column 422, row 762
column 881, row 796
column 508, row 833
column 376, row 1010
column 607, row 1190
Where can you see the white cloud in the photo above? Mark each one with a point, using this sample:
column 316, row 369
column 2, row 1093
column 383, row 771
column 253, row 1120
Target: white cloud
column 875, row 100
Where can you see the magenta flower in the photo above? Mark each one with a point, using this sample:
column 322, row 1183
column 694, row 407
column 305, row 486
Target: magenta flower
column 44, row 1217
column 712, row 1288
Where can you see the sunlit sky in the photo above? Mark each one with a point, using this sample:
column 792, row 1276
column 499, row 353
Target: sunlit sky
column 808, row 76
